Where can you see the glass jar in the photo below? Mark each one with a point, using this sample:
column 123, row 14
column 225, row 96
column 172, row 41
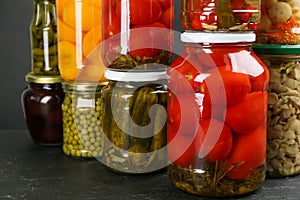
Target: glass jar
column 220, row 15
column 137, row 33
column 280, row 22
column 79, row 27
column 283, row 148
column 217, row 106
column 134, row 121
column 43, row 38
column 41, row 104
column 82, row 115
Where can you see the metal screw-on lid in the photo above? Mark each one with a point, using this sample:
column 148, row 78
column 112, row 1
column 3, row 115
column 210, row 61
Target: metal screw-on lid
column 276, row 49
column 135, row 76
column 83, row 86
column 42, row 79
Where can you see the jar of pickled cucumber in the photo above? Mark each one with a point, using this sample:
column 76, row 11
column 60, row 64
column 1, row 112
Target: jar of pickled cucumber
column 79, row 30
column 283, row 148
column 220, row 15
column 134, row 121
column 137, row 32
column 43, row 36
column 280, row 22
column 41, row 103
column 82, row 116
column 217, row 112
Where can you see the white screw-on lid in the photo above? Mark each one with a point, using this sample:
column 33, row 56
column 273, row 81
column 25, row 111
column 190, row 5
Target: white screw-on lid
column 218, row 37
column 135, row 76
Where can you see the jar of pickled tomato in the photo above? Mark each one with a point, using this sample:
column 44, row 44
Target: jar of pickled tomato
column 280, row 22
column 137, row 33
column 41, row 103
column 220, row 15
column 79, row 27
column 217, row 111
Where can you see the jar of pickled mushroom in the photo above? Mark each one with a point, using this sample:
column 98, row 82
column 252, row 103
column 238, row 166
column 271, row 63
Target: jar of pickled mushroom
column 280, row 22
column 220, row 15
column 134, row 121
column 217, row 111
column 137, row 33
column 283, row 130
column 79, row 30
column 41, row 103
column 43, row 37
column 82, row 116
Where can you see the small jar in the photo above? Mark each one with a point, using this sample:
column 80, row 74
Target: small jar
column 82, row 115
column 283, row 147
column 137, row 33
column 41, row 104
column 134, row 121
column 220, row 15
column 280, row 22
column 43, row 36
column 217, row 106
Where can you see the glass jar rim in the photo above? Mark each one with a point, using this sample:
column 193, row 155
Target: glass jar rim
column 83, row 86
column 135, row 76
column 217, row 37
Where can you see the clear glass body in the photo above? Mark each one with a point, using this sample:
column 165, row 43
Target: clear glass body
column 82, row 115
column 137, row 33
column 134, row 126
column 41, row 105
column 283, row 147
column 280, row 22
column 217, row 107
column 220, row 15
column 79, row 27
column 43, row 31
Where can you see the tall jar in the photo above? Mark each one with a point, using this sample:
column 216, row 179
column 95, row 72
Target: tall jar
column 41, row 103
column 220, row 15
column 137, row 33
column 82, row 118
column 79, row 27
column 43, row 36
column 280, row 22
column 217, row 111
column 134, row 121
column 283, row 136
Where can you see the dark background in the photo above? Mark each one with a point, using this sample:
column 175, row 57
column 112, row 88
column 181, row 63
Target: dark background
column 15, row 18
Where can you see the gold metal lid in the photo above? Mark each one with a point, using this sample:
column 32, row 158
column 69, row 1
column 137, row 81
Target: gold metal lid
column 83, row 86
column 42, row 79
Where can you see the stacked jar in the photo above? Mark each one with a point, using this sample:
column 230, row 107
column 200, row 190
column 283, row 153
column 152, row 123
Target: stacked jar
column 137, row 50
column 41, row 100
column 217, row 105
column 79, row 30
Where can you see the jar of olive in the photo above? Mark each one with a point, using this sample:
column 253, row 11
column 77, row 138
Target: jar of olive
column 82, row 115
column 134, row 121
column 283, row 122
column 41, row 103
column 44, row 56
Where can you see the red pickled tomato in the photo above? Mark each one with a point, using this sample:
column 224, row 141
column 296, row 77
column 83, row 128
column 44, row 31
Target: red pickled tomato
column 140, row 38
column 166, row 3
column 213, row 111
column 237, row 4
column 142, row 12
column 183, row 113
column 246, row 116
column 216, row 139
column 236, row 86
column 250, row 149
column 112, row 24
column 260, row 82
column 167, row 17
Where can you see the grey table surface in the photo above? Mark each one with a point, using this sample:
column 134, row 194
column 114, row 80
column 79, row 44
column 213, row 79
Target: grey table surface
column 30, row 171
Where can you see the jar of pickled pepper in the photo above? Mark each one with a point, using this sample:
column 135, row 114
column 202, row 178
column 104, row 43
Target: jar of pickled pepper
column 137, row 33
column 79, row 31
column 41, row 104
column 283, row 148
column 280, row 22
column 82, row 116
column 43, row 36
column 220, row 15
column 134, row 121
column 217, row 111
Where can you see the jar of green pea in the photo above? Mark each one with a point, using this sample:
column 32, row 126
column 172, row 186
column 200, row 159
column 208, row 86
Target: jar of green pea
column 82, row 115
